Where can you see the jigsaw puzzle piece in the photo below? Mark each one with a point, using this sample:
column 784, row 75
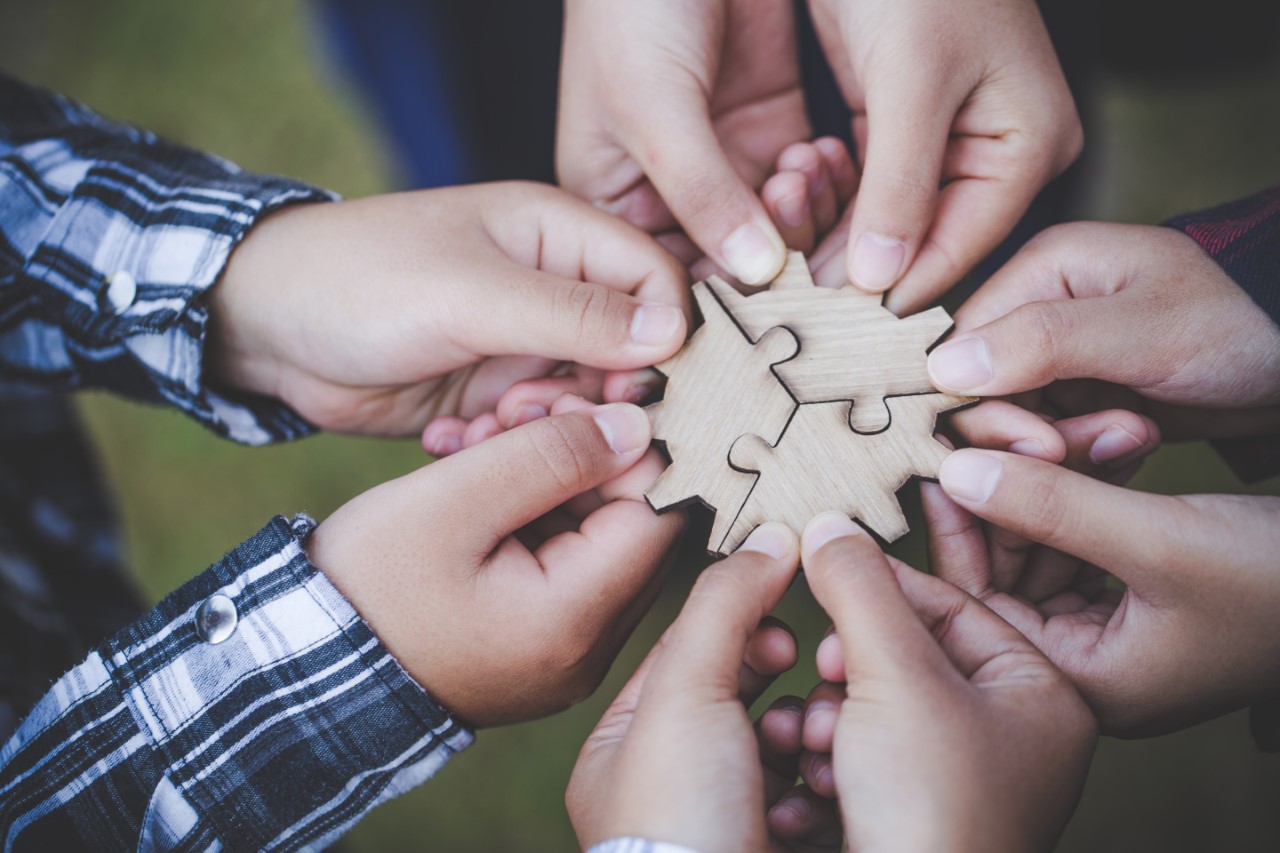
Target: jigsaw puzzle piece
column 821, row 464
column 720, row 386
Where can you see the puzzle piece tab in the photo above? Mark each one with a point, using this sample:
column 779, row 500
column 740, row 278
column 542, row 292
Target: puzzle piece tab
column 821, row 464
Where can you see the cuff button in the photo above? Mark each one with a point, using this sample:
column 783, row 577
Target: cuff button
column 216, row 619
column 122, row 289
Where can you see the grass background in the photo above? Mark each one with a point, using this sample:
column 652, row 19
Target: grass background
column 247, row 80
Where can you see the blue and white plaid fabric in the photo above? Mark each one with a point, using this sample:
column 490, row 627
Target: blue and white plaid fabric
column 280, row 737
column 83, row 201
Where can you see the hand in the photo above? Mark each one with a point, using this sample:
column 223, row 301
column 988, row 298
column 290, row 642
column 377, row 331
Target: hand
column 1187, row 638
column 380, row 314
column 961, row 115
column 506, row 577
column 1140, row 316
column 674, row 758
column 950, row 731
column 674, row 111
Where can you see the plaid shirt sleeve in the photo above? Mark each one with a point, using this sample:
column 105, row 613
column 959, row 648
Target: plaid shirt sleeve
column 279, row 736
column 1243, row 236
column 109, row 237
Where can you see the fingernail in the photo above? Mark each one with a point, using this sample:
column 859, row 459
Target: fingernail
column 654, row 323
column 797, row 807
column 773, row 539
column 446, row 445
column 962, row 366
column 825, row 777
column 527, row 412
column 624, row 427
column 970, row 475
column 877, row 261
column 824, row 528
column 1115, row 442
column 827, row 655
column 1030, row 447
column 751, row 255
column 820, row 717
column 794, row 209
column 636, row 393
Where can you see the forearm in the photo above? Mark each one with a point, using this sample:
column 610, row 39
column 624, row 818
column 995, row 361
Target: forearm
column 109, row 240
column 282, row 727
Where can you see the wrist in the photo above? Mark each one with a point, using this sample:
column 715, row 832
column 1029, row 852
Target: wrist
column 240, row 349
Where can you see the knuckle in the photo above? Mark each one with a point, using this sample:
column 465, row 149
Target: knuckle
column 1044, row 510
column 566, row 452
column 1045, row 326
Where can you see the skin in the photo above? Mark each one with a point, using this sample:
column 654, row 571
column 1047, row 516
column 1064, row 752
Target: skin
column 675, row 759
column 378, row 315
column 1142, row 316
column 537, row 543
column 957, row 134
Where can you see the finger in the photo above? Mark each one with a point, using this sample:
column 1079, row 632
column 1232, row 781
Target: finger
column 828, row 261
column 771, row 651
column 821, row 710
column 481, row 428
column 1108, row 440
column 778, row 731
column 829, row 658
column 443, row 436
column 519, row 475
column 1097, row 522
column 805, row 158
column 818, row 772
column 536, row 313
column 633, row 386
column 802, row 816
column 532, row 399
column 957, row 546
column 851, row 579
column 908, row 125
column 786, row 198
column 727, row 603
column 999, row 425
column 841, row 170
column 973, row 216
column 708, row 197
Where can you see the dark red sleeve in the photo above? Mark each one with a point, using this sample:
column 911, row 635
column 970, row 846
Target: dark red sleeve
column 1244, row 238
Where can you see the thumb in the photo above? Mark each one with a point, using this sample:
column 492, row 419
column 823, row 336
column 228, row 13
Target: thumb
column 1126, row 532
column 880, row 634
column 907, row 132
column 504, row 483
column 544, row 315
column 706, row 644
column 707, row 195
column 1040, row 342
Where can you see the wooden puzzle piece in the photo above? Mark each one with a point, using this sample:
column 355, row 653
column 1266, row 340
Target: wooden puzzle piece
column 719, row 387
column 851, row 346
column 821, row 464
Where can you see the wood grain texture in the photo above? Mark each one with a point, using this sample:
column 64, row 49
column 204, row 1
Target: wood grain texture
column 719, row 387
column 851, row 347
column 820, row 464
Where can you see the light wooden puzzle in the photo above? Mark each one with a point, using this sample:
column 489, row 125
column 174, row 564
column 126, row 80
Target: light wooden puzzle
column 797, row 400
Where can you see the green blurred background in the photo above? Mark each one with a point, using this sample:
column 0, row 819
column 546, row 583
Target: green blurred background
column 246, row 79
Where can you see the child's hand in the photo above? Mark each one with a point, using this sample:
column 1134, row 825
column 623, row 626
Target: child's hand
column 936, row 711
column 1142, row 309
column 675, row 757
column 380, row 314
column 1191, row 634
column 506, row 578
